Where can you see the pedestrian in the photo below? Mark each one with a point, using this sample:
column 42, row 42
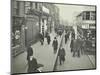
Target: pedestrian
column 29, row 52
column 32, row 62
column 41, row 39
column 73, row 34
column 66, row 38
column 32, row 65
column 61, row 55
column 55, row 45
column 83, row 46
column 46, row 34
column 77, row 43
column 48, row 39
column 74, row 48
column 68, row 34
column 60, row 33
column 71, row 44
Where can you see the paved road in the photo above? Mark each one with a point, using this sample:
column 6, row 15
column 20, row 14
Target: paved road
column 74, row 63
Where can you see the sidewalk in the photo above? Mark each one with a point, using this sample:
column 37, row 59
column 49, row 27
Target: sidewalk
column 44, row 55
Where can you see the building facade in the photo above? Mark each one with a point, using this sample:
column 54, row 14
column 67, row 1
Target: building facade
column 17, row 27
column 53, row 18
column 29, row 19
column 86, row 21
column 86, row 26
column 25, row 25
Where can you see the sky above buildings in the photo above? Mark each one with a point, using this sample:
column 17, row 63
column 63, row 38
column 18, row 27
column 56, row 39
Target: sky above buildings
column 68, row 12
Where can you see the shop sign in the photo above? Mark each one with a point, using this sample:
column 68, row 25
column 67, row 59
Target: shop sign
column 45, row 9
column 92, row 27
column 85, row 26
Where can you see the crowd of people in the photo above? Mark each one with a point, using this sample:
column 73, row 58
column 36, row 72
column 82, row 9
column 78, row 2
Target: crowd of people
column 77, row 45
column 62, row 52
column 76, row 48
column 33, row 65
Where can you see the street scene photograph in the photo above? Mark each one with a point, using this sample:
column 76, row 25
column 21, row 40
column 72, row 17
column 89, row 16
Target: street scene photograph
column 52, row 37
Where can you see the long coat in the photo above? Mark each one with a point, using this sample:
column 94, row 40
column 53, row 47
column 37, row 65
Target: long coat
column 62, row 54
column 48, row 39
column 55, row 44
column 77, row 44
column 71, row 45
column 29, row 53
column 41, row 37
column 32, row 65
column 66, row 37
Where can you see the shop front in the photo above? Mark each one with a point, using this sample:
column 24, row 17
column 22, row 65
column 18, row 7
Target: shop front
column 45, row 21
column 32, row 31
column 17, row 35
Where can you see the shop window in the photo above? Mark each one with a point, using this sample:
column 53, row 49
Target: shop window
column 16, row 31
column 93, row 15
column 87, row 15
column 27, row 4
column 15, row 35
column 33, row 5
column 40, row 6
column 27, row 7
column 36, row 5
column 16, row 8
column 84, row 16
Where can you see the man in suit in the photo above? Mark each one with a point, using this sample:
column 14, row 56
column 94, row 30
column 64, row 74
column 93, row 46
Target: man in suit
column 55, row 45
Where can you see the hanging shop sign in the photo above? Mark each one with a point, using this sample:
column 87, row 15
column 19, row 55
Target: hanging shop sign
column 45, row 10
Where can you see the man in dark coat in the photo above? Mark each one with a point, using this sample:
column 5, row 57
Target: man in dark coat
column 60, row 33
column 77, row 45
column 55, row 44
column 61, row 55
column 48, row 39
column 66, row 37
column 41, row 38
column 29, row 53
column 32, row 62
column 71, row 44
column 32, row 65
column 73, row 34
